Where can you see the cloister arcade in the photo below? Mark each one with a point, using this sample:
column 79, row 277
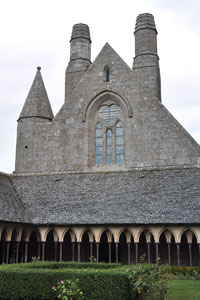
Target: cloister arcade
column 173, row 245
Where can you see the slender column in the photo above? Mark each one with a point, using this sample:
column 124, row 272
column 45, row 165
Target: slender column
column 17, row 252
column 157, row 254
column 97, row 245
column 39, row 250
column 7, row 252
column 116, row 253
column 22, row 252
column 56, row 251
column 169, row 253
column 26, row 252
column 61, row 250
column 4, row 251
column 129, row 253
column 178, row 254
column 190, row 254
column 136, row 253
column 109, row 252
column 148, row 253
column 73, row 246
column 43, row 250
column 79, row 252
column 91, row 251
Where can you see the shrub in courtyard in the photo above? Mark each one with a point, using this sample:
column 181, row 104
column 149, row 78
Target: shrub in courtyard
column 68, row 290
column 149, row 281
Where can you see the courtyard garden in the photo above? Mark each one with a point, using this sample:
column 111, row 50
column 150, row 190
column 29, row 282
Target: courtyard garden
column 92, row 281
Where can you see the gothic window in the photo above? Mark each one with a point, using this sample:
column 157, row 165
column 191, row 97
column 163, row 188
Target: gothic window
column 109, row 138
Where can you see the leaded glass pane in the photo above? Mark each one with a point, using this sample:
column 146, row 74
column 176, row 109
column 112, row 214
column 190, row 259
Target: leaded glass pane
column 109, row 114
column 109, row 159
column 99, row 144
column 119, row 143
column 109, row 146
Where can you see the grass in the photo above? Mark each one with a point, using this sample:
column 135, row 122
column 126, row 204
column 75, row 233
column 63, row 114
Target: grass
column 181, row 289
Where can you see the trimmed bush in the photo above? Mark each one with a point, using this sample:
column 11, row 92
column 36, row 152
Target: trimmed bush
column 183, row 270
column 35, row 280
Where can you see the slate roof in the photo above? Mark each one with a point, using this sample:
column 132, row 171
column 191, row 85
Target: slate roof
column 139, row 197
column 37, row 102
column 11, row 207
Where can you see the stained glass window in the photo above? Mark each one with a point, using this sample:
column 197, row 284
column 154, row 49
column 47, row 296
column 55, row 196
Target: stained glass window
column 99, row 144
column 109, row 114
column 119, row 143
column 109, row 146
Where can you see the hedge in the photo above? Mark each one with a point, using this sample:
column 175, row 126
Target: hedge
column 28, row 281
column 183, row 270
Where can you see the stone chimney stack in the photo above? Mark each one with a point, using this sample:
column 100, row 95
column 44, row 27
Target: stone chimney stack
column 146, row 58
column 80, row 56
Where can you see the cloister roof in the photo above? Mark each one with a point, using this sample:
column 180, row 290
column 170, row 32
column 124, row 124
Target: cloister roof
column 11, row 206
column 138, row 197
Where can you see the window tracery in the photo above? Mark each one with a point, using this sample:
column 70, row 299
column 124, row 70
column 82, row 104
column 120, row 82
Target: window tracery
column 109, row 135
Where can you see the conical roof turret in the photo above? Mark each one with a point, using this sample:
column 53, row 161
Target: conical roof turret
column 37, row 102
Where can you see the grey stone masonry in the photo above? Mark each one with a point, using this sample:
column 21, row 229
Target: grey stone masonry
column 152, row 137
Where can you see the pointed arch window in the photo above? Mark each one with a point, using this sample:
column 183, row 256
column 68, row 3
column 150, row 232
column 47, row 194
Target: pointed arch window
column 107, row 74
column 109, row 134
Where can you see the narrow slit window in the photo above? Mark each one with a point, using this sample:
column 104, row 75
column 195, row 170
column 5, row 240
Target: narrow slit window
column 119, row 143
column 99, row 144
column 107, row 74
column 109, row 146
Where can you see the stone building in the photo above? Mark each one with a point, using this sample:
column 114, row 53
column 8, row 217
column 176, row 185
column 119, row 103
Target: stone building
column 113, row 175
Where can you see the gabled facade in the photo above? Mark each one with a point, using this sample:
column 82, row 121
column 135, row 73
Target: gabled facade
column 113, row 174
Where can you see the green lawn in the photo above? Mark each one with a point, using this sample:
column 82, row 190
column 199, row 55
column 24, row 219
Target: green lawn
column 181, row 289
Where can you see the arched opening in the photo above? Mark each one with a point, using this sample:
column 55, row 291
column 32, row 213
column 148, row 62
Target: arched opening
column 106, row 248
column 3, row 247
column 50, row 253
column 123, row 249
column 195, row 252
column 67, row 247
column 107, row 73
column 146, row 248
column 189, row 249
column 13, row 248
column 184, row 255
column 33, row 246
column 85, row 248
column 22, row 248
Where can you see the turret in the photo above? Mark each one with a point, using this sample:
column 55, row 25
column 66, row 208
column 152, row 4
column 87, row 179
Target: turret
column 37, row 109
column 80, row 56
column 146, row 48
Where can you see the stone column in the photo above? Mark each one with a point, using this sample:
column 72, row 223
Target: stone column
column 136, row 253
column 148, row 253
column 129, row 253
column 169, row 253
column 61, row 250
column 26, row 252
column 116, row 253
column 79, row 252
column 17, row 252
column 97, row 245
column 7, row 251
column 73, row 246
column 109, row 252
column 157, row 255
column 178, row 254
column 190, row 253
column 56, row 251
column 43, row 250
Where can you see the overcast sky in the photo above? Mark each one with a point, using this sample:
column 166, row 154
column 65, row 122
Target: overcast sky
column 37, row 33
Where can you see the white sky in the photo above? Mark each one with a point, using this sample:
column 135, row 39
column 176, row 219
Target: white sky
column 37, row 32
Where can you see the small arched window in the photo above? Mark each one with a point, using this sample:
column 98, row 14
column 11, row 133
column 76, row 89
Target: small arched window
column 99, row 144
column 107, row 74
